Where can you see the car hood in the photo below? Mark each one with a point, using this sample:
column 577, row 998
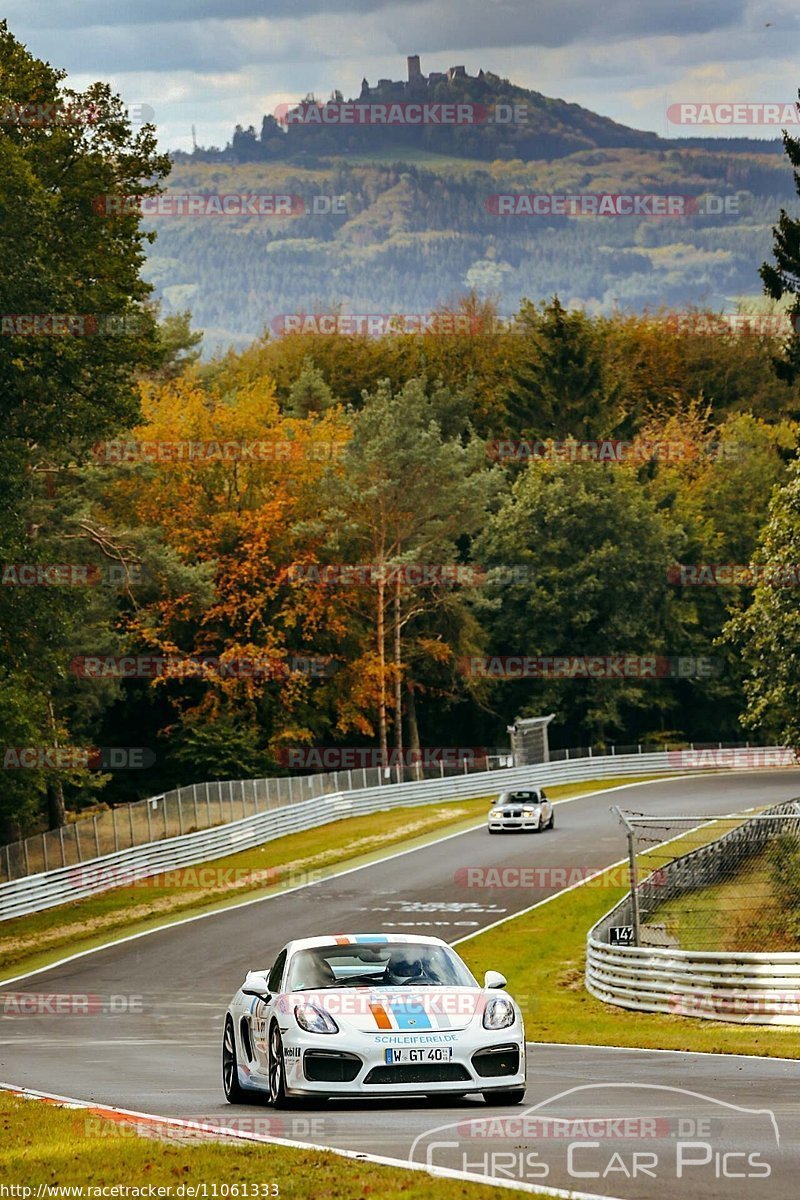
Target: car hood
column 400, row 1009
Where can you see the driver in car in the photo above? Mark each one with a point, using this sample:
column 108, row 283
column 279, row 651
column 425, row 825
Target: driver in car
column 401, row 970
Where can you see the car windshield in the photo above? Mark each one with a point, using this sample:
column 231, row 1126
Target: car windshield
column 392, row 965
column 520, row 798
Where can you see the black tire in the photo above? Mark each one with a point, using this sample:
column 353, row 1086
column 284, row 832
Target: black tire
column 277, row 1070
column 509, row 1096
column 551, row 824
column 234, row 1092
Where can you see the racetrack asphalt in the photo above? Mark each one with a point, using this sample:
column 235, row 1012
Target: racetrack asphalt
column 152, row 1040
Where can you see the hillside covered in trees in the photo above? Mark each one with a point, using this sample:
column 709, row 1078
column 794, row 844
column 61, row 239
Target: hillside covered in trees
column 334, row 539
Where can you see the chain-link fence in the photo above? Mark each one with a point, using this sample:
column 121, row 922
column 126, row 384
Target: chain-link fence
column 712, row 883
column 203, row 805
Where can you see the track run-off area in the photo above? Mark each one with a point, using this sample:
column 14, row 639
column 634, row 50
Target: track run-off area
column 670, row 1123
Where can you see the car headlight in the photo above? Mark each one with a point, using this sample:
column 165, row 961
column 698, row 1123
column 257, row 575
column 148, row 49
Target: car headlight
column 314, row 1019
column 529, row 812
column 499, row 1013
column 496, row 812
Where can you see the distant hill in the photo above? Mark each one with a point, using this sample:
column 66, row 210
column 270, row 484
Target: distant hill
column 414, row 234
column 493, row 128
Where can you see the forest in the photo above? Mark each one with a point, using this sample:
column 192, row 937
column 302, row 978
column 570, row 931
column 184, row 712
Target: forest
column 322, row 539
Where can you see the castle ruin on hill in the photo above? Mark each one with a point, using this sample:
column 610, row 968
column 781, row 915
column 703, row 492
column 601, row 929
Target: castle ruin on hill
column 416, row 85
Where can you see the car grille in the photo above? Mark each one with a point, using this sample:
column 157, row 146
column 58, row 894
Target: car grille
column 330, row 1066
column 497, row 1060
column 419, row 1073
column 512, row 812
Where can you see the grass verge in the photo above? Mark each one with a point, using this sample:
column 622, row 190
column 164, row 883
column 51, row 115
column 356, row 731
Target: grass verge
column 543, row 954
column 27, row 943
column 46, row 1145
column 740, row 913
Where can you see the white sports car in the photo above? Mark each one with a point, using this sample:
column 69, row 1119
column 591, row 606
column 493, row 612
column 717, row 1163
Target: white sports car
column 371, row 1015
column 527, row 810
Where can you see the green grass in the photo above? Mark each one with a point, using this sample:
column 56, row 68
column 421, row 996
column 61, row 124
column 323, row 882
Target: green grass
column 740, row 913
column 543, row 955
column 37, row 940
column 45, row 1144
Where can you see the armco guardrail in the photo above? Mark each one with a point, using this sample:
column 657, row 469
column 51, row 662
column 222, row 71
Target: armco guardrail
column 48, row 888
column 759, row 987
column 207, row 805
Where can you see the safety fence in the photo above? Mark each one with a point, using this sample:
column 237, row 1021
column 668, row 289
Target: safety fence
column 48, row 888
column 635, row 957
column 207, row 805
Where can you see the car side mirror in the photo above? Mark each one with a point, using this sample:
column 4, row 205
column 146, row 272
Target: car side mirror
column 256, row 985
column 493, row 979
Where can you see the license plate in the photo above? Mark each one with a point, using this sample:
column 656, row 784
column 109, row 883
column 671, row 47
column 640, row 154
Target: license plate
column 419, row 1054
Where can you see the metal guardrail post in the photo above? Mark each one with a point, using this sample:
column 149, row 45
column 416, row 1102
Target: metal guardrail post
column 96, row 835
column 61, row 840
column 633, row 872
column 180, row 813
column 114, row 827
column 150, row 804
column 77, row 841
column 44, row 853
column 130, row 822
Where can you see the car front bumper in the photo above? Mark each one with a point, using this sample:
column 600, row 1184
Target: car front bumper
column 482, row 1060
column 516, row 824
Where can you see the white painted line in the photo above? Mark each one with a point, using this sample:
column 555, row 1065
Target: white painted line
column 766, row 1058
column 602, row 871
column 131, row 937
column 240, row 1135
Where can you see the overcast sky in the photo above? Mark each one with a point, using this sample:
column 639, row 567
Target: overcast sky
column 213, row 63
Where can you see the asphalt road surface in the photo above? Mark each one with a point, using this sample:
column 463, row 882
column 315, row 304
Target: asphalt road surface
column 703, row 1125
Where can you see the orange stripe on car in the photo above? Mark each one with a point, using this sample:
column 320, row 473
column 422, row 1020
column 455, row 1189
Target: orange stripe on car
column 381, row 1016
